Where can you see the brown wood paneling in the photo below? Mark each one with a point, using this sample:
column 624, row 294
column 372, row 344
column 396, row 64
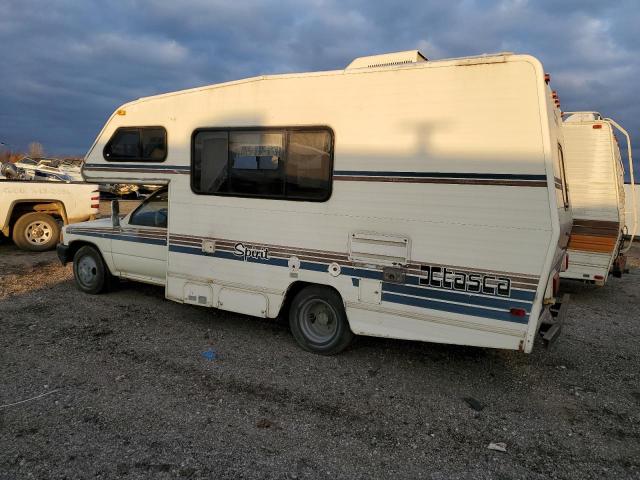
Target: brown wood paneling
column 592, row 243
column 595, row 227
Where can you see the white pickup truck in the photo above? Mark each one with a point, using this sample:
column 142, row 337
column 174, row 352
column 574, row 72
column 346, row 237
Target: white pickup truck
column 31, row 212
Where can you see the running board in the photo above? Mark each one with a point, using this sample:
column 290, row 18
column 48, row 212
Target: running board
column 552, row 321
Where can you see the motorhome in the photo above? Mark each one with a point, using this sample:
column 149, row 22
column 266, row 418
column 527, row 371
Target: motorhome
column 398, row 197
column 595, row 176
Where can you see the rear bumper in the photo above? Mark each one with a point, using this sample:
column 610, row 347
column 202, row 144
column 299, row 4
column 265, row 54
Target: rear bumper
column 63, row 253
column 553, row 320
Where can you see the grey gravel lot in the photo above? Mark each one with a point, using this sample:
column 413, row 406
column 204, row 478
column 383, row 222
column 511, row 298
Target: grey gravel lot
column 134, row 397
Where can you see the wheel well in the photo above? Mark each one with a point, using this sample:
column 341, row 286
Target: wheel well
column 78, row 244
column 51, row 207
column 295, row 288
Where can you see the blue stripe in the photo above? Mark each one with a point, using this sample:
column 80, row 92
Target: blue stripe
column 488, row 176
column 430, row 298
column 279, row 262
column 342, row 173
column 450, row 307
column 362, row 273
column 524, row 295
column 124, row 237
column 190, row 250
column 349, row 173
column 314, row 267
column 453, row 296
column 149, row 166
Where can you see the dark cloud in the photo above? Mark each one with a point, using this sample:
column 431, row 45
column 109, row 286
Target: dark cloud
column 67, row 64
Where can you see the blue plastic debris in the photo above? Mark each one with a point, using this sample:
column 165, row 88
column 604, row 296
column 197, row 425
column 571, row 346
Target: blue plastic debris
column 210, row 354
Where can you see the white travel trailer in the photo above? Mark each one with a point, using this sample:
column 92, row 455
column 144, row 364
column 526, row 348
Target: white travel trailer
column 398, row 197
column 595, row 175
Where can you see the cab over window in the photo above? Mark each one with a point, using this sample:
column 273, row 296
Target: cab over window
column 285, row 164
column 137, row 144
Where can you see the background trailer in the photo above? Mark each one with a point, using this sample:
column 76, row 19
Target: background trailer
column 595, row 174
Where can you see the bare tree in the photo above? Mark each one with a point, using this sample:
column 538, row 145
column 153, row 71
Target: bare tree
column 36, row 150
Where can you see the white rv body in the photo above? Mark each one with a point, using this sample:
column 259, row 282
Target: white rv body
column 631, row 200
column 440, row 169
column 595, row 175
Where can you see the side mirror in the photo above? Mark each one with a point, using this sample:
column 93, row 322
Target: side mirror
column 115, row 213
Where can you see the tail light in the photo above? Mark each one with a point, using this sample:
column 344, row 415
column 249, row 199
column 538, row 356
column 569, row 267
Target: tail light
column 597, row 126
column 598, row 277
column 556, row 284
column 565, row 262
column 95, row 199
column 518, row 312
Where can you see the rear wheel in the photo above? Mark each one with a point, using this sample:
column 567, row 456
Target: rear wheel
column 90, row 272
column 36, row 232
column 318, row 321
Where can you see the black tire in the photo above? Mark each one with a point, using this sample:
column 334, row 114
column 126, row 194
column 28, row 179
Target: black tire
column 319, row 322
column 89, row 271
column 36, row 232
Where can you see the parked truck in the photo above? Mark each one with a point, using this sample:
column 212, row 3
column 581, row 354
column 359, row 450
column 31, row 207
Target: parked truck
column 32, row 212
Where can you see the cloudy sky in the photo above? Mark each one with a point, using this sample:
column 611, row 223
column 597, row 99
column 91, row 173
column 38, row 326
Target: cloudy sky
column 67, row 64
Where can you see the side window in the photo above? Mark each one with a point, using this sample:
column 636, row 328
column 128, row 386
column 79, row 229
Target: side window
column 309, row 165
column 209, row 162
column 153, row 212
column 137, row 144
column 563, row 178
column 286, row 164
column 256, row 163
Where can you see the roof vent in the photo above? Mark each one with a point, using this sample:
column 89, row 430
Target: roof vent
column 388, row 59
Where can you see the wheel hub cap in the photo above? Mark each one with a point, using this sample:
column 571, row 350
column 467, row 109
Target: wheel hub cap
column 319, row 322
column 38, row 233
column 87, row 271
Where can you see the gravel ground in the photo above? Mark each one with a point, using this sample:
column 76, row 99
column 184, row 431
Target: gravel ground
column 129, row 393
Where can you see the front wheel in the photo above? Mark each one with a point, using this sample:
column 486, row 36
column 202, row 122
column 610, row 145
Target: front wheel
column 89, row 271
column 318, row 321
column 36, row 232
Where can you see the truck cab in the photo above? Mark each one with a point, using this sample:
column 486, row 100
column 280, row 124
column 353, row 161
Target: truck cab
column 132, row 247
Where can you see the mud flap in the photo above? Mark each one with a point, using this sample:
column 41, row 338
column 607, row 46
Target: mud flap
column 63, row 253
column 551, row 324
